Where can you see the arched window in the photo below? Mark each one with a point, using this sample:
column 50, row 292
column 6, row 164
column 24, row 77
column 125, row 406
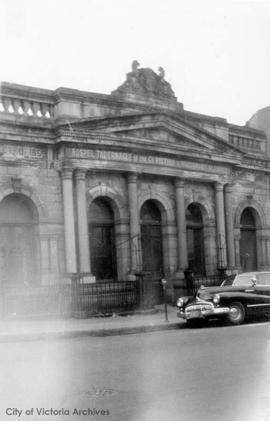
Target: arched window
column 151, row 239
column 102, row 240
column 152, row 253
column 248, row 246
column 195, row 239
column 18, row 240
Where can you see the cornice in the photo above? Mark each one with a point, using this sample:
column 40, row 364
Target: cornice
column 14, row 90
column 170, row 150
column 177, row 125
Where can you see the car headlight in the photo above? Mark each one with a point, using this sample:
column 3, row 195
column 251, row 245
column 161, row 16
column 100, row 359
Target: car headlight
column 180, row 302
column 216, row 299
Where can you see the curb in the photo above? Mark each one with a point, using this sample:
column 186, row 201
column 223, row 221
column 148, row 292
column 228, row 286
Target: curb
column 91, row 333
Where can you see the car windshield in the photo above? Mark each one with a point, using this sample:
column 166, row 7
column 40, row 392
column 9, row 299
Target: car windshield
column 228, row 281
column 244, row 279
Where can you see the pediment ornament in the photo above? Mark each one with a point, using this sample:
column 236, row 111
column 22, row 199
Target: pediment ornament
column 146, row 82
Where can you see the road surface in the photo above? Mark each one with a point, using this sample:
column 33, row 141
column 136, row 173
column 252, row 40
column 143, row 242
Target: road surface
column 217, row 373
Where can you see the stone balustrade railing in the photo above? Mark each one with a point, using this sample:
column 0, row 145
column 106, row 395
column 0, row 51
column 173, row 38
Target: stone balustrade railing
column 25, row 101
column 257, row 163
column 25, row 107
column 246, row 142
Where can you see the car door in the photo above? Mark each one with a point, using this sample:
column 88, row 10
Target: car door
column 262, row 291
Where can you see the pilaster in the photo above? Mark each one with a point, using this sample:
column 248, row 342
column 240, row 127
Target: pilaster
column 220, row 223
column 229, row 225
column 181, row 227
column 70, row 244
column 134, row 223
column 83, row 240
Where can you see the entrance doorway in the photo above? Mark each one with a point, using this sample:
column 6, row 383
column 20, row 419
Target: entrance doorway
column 248, row 246
column 195, row 239
column 152, row 253
column 18, row 241
column 102, row 240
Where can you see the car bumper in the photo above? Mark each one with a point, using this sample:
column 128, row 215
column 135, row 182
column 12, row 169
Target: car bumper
column 202, row 311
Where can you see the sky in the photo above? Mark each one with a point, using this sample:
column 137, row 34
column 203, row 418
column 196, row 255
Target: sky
column 216, row 54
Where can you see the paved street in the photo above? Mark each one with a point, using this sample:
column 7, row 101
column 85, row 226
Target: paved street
column 216, row 373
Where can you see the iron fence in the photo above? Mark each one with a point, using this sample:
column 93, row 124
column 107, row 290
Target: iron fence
column 69, row 299
column 105, row 298
column 79, row 299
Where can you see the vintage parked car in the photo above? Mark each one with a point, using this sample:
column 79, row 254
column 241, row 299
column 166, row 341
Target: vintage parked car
column 248, row 294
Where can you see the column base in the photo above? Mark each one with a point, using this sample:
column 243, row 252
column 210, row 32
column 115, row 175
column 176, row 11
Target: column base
column 131, row 277
column 264, row 267
column 179, row 275
column 179, row 285
column 89, row 279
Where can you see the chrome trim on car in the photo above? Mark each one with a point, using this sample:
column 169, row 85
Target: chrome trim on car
column 258, row 305
column 202, row 309
column 199, row 307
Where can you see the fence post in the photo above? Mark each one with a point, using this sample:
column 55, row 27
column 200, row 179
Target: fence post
column 74, row 277
column 222, row 273
column 189, row 281
column 164, row 285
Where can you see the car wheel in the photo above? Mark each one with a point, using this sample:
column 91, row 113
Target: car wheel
column 236, row 314
column 191, row 323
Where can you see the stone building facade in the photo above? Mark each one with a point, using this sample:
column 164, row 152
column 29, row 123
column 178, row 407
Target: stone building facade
column 112, row 185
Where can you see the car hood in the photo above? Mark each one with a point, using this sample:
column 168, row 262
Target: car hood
column 209, row 292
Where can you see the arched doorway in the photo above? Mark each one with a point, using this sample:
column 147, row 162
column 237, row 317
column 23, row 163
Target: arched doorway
column 102, row 240
column 18, row 240
column 195, row 239
column 151, row 243
column 248, row 246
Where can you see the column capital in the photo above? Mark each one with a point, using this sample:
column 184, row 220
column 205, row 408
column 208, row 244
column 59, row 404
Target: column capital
column 67, row 173
column 218, row 186
column 179, row 183
column 80, row 173
column 132, row 177
column 228, row 188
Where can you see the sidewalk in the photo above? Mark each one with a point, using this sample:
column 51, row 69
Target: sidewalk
column 25, row 330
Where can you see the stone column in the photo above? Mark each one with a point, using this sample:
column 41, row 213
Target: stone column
column 134, row 223
column 220, row 223
column 237, row 248
column 262, row 240
column 181, row 227
column 70, row 244
column 83, row 239
column 229, row 226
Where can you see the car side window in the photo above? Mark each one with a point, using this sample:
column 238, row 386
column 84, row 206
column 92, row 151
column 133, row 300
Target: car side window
column 243, row 280
column 263, row 279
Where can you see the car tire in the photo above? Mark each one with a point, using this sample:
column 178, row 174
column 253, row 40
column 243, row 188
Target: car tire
column 237, row 313
column 192, row 323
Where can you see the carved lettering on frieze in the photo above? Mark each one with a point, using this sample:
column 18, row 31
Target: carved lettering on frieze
column 16, row 152
column 130, row 157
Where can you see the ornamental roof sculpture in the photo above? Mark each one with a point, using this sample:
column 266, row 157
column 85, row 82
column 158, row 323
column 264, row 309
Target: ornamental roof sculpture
column 145, row 83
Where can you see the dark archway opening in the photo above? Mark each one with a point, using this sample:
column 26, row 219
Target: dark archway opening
column 102, row 240
column 152, row 256
column 152, row 253
column 195, row 239
column 18, row 240
column 248, row 242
